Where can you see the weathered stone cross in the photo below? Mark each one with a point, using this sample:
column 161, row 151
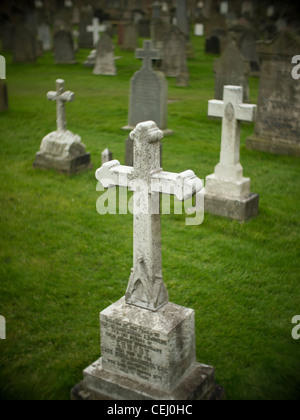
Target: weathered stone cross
column 147, row 54
column 61, row 96
column 232, row 111
column 95, row 28
column 146, row 288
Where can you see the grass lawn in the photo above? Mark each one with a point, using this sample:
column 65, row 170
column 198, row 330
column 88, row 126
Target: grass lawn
column 61, row 263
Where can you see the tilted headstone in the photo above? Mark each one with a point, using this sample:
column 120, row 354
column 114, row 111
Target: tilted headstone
column 64, row 48
column 277, row 125
column 24, row 50
column 62, row 150
column 147, row 342
column 148, row 92
column 174, row 53
column 231, row 69
column 105, row 58
column 3, row 96
column 227, row 192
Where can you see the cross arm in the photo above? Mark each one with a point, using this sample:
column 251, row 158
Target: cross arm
column 215, row 108
column 52, row 96
column 183, row 185
column 246, row 112
column 113, row 173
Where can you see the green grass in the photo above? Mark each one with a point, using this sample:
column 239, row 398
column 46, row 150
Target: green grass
column 61, row 263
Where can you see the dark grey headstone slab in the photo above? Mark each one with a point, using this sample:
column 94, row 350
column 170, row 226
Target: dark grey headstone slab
column 64, row 48
column 24, row 50
column 148, row 91
column 277, row 125
column 231, row 69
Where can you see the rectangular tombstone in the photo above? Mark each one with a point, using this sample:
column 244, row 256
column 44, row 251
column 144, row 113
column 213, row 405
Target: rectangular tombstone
column 129, row 37
column 278, row 124
column 24, row 50
column 174, row 53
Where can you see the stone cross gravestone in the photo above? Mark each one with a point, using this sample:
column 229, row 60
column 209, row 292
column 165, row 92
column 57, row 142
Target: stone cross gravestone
column 277, row 125
column 148, row 92
column 64, row 48
column 227, row 192
column 24, row 49
column 95, row 29
column 62, row 150
column 231, row 69
column 147, row 343
column 105, row 59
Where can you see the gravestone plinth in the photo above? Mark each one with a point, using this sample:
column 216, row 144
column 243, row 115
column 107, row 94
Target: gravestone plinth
column 147, row 355
column 227, row 191
column 62, row 150
column 278, row 124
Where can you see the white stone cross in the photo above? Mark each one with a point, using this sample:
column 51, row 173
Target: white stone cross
column 95, row 28
column 147, row 54
column 61, row 97
column 232, row 111
column 146, row 288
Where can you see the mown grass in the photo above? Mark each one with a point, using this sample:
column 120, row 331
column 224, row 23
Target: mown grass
column 61, row 263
